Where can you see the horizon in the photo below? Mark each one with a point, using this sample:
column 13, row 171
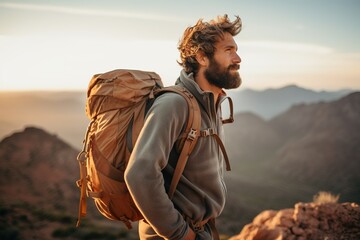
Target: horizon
column 59, row 46
column 230, row 90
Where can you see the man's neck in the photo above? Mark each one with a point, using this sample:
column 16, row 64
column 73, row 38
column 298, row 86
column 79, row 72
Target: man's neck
column 207, row 87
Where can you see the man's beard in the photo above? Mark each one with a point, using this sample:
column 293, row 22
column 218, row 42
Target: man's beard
column 223, row 78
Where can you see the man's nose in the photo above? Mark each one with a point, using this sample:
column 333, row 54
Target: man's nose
column 237, row 58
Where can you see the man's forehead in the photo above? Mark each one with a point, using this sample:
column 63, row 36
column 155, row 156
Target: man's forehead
column 226, row 41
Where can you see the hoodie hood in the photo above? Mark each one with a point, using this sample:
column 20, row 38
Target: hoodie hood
column 206, row 99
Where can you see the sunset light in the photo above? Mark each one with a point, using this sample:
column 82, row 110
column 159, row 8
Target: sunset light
column 60, row 46
column 168, row 115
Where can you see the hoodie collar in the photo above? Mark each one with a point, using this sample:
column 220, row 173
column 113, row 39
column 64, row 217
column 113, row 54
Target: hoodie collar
column 204, row 98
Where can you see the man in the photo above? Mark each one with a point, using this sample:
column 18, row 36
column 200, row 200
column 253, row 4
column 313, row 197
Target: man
column 210, row 63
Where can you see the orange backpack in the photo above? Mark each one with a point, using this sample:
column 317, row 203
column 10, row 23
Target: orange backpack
column 117, row 102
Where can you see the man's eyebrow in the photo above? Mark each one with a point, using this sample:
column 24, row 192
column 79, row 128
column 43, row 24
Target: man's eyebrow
column 231, row 46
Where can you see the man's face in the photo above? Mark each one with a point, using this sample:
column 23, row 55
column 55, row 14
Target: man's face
column 222, row 71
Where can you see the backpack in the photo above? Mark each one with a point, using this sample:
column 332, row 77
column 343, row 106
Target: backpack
column 117, row 102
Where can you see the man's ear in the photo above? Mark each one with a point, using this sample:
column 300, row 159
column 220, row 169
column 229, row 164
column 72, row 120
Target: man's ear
column 202, row 59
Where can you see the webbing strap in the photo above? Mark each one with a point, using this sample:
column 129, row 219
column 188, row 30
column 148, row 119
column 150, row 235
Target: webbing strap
column 82, row 182
column 96, row 194
column 192, row 131
column 211, row 132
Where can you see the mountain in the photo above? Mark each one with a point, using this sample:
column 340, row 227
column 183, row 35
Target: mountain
column 321, row 143
column 279, row 162
column 64, row 112
column 30, row 157
column 250, row 138
column 310, row 143
column 271, row 102
column 39, row 197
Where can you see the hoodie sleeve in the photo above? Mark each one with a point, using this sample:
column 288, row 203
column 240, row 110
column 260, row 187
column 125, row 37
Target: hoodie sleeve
column 143, row 176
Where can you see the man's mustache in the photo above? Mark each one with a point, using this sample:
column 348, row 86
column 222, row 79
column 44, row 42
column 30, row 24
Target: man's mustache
column 234, row 67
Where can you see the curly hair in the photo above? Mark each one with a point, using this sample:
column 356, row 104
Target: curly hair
column 202, row 37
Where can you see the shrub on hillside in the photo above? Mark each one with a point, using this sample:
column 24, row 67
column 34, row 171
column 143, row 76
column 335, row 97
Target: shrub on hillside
column 325, row 197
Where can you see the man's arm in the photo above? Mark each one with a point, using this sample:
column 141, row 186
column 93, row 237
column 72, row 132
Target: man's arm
column 143, row 175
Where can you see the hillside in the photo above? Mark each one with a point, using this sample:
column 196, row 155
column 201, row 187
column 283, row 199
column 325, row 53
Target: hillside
column 33, row 164
column 310, row 143
column 39, row 197
column 277, row 163
column 250, row 138
column 321, row 144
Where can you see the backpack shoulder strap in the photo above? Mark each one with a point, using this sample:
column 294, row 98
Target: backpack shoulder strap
column 211, row 132
column 192, row 132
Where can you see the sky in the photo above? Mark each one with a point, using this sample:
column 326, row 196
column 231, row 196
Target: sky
column 60, row 45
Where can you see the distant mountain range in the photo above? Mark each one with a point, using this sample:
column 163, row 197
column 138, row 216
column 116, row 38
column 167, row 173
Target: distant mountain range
column 317, row 143
column 276, row 162
column 320, row 144
column 271, row 102
column 64, row 112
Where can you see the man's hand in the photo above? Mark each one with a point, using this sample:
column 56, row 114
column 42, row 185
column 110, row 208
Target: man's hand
column 190, row 235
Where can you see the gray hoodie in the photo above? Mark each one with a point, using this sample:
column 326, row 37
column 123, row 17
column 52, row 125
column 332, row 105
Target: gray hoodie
column 200, row 194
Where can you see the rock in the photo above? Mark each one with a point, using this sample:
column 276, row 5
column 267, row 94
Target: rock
column 264, row 217
column 297, row 231
column 307, row 221
column 283, row 218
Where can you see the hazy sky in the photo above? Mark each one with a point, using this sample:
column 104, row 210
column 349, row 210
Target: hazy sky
column 59, row 45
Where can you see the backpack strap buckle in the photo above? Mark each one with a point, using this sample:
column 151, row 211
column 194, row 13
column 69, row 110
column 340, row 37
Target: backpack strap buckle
column 207, row 132
column 197, row 227
column 192, row 134
column 82, row 156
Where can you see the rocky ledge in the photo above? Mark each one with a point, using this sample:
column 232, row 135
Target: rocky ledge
column 306, row 221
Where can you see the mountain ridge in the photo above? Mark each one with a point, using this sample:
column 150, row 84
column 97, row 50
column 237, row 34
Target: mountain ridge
column 270, row 102
column 54, row 110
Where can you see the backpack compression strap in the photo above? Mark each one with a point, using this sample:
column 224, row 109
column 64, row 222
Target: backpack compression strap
column 192, row 132
column 82, row 182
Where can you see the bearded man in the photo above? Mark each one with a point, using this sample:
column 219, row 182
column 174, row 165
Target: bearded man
column 210, row 62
